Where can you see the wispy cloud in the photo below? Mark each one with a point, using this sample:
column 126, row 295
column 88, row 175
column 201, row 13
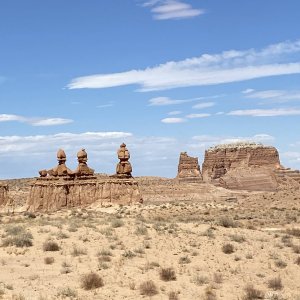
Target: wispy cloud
column 34, row 121
column 275, row 96
column 172, row 9
column 204, row 105
column 173, row 120
column 197, row 116
column 208, row 69
column 174, row 113
column 162, row 101
column 105, row 105
column 274, row 112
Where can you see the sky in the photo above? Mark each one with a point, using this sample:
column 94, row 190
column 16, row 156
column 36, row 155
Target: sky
column 163, row 76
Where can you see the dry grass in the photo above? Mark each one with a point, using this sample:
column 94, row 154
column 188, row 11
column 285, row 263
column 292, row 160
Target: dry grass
column 252, row 293
column 49, row 260
column 275, row 284
column 148, row 288
column 228, row 248
column 50, row 246
column 167, row 274
column 91, row 281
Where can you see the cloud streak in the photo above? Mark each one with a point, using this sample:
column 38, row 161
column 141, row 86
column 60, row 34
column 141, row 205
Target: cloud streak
column 207, row 69
column 273, row 112
column 172, row 9
column 34, row 121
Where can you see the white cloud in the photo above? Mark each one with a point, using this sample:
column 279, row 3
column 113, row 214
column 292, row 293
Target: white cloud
column 162, row 101
column 274, row 112
column 173, row 120
column 208, row 69
column 205, row 141
column 174, row 113
column 172, row 9
column 275, row 96
column 50, row 122
column 247, row 91
column 204, row 105
column 194, row 116
column 35, row 121
column 105, row 105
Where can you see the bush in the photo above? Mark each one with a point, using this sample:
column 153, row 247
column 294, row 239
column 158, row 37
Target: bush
column 226, row 222
column 275, row 284
column 297, row 262
column 49, row 260
column 17, row 236
column 66, row 292
column 228, row 248
column 184, row 260
column 167, row 274
column 148, row 288
column 77, row 251
column 252, row 293
column 50, row 246
column 117, row 223
column 173, row 296
column 91, row 281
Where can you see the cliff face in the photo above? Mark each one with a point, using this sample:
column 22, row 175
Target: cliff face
column 242, row 166
column 188, row 168
column 53, row 194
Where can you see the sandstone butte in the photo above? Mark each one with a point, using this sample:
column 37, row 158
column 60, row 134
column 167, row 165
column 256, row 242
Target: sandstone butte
column 188, row 169
column 245, row 166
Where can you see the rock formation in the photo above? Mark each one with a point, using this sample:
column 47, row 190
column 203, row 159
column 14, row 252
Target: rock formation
column 61, row 169
column 61, row 188
column 124, row 168
column 247, row 166
column 83, row 169
column 188, row 169
column 3, row 194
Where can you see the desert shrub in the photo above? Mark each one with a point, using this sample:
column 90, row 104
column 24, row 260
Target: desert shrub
column 275, row 284
column 280, row 263
column 104, row 252
column 77, row 251
column 226, row 222
column 91, row 281
column 62, row 235
column 297, row 262
column 141, row 230
column 210, row 294
column 66, row 292
column 296, row 249
column 148, row 288
column 115, row 223
column 167, row 274
column 252, row 293
column 17, row 236
column 228, row 248
column 29, row 215
column 237, row 238
column 49, row 260
column 173, row 295
column 50, row 246
column 293, row 231
column 128, row 254
column 287, row 240
column 184, row 260
column 218, row 278
column 201, row 279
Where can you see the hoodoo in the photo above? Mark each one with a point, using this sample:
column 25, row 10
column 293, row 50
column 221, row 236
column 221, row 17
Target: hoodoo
column 188, row 169
column 62, row 188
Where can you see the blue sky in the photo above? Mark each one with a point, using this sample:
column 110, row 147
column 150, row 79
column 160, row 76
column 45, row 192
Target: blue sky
column 163, row 76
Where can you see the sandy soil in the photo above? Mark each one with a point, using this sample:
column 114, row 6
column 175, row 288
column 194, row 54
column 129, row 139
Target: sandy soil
column 188, row 242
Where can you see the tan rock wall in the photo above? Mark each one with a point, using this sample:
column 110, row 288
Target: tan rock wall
column 3, row 194
column 188, row 168
column 54, row 194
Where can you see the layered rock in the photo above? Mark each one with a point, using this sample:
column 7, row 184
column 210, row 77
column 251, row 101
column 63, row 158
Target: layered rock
column 51, row 194
column 188, row 168
column 4, row 199
column 247, row 166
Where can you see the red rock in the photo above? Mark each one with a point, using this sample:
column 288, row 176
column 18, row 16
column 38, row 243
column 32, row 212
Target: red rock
column 188, row 168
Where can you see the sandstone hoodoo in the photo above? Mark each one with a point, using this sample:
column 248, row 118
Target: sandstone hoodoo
column 124, row 168
column 188, row 169
column 249, row 166
column 62, row 188
column 3, row 194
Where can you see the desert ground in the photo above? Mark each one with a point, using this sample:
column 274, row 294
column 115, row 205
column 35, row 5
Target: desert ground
column 186, row 241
